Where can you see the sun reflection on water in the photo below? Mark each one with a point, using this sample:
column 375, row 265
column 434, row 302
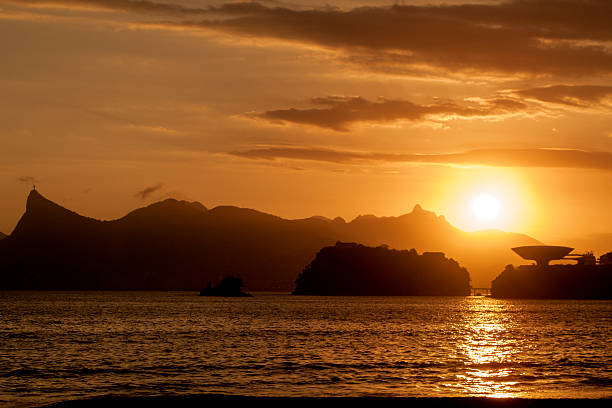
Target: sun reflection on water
column 488, row 350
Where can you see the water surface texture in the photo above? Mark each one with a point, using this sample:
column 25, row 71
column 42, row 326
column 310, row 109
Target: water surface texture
column 57, row 346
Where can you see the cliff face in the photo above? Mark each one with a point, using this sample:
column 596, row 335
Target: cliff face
column 554, row 282
column 356, row 270
column 176, row 245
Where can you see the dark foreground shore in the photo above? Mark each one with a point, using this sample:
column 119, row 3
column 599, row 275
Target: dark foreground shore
column 227, row 400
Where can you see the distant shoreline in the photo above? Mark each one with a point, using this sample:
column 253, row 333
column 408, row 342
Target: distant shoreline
column 202, row 400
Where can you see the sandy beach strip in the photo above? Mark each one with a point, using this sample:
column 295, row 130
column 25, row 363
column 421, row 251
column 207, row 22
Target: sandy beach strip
column 231, row 400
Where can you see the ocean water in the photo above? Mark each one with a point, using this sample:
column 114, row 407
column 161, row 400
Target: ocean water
column 56, row 346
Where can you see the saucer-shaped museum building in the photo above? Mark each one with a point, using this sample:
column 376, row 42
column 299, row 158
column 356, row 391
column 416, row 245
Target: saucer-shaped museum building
column 587, row 279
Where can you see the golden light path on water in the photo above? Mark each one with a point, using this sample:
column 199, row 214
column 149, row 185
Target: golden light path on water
column 487, row 347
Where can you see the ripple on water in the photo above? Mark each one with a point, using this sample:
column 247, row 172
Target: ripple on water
column 55, row 346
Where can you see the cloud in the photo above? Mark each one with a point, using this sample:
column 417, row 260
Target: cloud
column 142, row 6
column 548, row 36
column 486, row 157
column 27, row 180
column 572, row 95
column 148, row 191
column 338, row 112
column 559, row 37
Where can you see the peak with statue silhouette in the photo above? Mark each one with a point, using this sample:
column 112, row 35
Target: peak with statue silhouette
column 180, row 245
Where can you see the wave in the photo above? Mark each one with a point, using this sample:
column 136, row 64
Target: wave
column 435, row 367
column 598, row 381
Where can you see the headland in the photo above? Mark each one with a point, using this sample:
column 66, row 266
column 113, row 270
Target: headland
column 589, row 278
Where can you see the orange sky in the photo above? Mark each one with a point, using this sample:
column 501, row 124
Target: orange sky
column 313, row 107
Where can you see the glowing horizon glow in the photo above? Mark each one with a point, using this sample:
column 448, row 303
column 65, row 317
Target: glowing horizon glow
column 519, row 201
column 486, row 207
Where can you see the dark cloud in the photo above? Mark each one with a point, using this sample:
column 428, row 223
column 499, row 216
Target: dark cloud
column 572, row 95
column 27, row 180
column 563, row 37
column 489, row 157
column 148, row 191
column 546, row 36
column 338, row 112
column 142, row 6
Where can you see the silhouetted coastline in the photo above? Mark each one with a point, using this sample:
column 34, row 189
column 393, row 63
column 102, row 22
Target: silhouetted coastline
column 554, row 282
column 357, row 270
column 180, row 245
column 231, row 286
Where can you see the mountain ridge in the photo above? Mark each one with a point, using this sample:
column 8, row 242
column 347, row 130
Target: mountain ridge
column 181, row 245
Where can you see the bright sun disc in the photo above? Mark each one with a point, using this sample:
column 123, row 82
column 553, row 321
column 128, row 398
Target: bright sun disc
column 486, row 207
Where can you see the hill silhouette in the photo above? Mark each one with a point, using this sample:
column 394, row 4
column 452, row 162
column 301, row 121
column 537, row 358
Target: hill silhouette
column 358, row 270
column 597, row 243
column 554, row 282
column 180, row 245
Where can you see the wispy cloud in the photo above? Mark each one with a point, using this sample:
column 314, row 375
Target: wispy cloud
column 484, row 157
column 141, row 6
column 148, row 191
column 27, row 180
column 559, row 37
column 339, row 112
column 511, row 37
column 572, row 95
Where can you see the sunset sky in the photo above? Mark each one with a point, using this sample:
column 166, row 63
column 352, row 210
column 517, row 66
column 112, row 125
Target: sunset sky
column 313, row 107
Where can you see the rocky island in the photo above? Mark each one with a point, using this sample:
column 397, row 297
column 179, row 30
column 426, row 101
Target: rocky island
column 229, row 287
column 357, row 270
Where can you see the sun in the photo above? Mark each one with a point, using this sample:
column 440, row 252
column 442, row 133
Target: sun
column 486, row 207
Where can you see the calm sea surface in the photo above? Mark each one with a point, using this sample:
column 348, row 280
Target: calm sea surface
column 56, row 346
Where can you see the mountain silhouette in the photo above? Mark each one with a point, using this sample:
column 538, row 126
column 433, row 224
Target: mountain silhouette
column 180, row 245
column 598, row 243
